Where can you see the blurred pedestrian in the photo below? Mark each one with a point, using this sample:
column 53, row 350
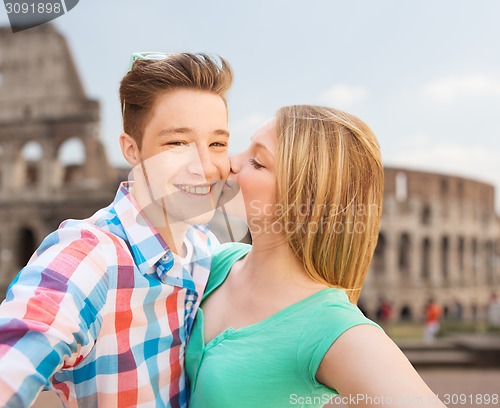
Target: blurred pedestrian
column 433, row 313
column 494, row 311
column 384, row 314
column 458, row 310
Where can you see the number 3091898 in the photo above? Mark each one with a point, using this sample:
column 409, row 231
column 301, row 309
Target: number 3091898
column 40, row 8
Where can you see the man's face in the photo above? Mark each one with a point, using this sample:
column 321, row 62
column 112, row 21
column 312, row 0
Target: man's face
column 183, row 159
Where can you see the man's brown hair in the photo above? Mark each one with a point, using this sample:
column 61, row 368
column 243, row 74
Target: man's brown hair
column 148, row 78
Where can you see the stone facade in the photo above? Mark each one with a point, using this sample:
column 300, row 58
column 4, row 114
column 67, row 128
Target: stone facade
column 42, row 107
column 439, row 238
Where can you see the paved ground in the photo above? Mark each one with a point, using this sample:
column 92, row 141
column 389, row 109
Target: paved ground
column 47, row 400
column 455, row 382
column 475, row 382
column 460, row 386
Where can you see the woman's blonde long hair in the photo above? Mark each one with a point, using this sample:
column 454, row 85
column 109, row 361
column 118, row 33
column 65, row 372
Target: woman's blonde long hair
column 330, row 189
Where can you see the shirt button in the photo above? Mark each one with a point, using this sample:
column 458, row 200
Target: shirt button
column 189, row 305
column 165, row 258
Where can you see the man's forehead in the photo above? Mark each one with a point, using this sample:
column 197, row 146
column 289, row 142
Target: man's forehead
column 175, row 130
column 186, row 113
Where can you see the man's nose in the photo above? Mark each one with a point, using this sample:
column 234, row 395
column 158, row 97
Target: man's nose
column 202, row 163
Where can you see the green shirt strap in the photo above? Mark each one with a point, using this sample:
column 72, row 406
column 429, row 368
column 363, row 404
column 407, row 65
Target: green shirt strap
column 222, row 261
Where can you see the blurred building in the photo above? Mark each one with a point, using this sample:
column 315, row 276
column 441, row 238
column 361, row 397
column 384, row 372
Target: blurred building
column 44, row 110
column 439, row 238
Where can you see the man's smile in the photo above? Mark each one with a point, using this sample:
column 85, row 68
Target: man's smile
column 198, row 189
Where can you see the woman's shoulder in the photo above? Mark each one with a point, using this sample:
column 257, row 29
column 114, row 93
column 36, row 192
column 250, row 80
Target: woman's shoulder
column 332, row 314
column 334, row 304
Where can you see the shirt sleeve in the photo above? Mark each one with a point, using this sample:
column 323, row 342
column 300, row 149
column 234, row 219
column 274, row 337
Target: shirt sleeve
column 326, row 325
column 50, row 318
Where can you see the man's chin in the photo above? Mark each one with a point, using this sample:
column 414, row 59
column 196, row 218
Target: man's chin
column 204, row 218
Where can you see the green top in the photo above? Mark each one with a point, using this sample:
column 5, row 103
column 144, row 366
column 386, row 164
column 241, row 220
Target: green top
column 271, row 363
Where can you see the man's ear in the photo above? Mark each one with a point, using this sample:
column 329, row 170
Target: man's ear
column 130, row 150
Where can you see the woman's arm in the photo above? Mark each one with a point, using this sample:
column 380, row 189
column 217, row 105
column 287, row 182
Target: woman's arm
column 365, row 365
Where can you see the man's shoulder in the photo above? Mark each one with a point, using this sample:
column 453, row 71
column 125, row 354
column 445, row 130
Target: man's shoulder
column 103, row 224
column 86, row 230
column 82, row 233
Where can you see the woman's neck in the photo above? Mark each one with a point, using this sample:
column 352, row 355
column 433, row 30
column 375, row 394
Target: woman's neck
column 272, row 263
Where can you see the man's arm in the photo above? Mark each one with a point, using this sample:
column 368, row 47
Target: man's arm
column 49, row 319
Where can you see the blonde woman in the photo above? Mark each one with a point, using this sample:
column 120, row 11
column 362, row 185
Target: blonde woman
column 278, row 325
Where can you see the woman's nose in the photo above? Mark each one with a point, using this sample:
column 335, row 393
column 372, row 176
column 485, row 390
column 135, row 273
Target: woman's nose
column 235, row 162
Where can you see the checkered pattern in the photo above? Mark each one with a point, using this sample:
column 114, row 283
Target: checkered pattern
column 102, row 313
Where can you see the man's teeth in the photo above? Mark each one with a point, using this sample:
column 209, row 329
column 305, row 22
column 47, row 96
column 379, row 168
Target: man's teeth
column 196, row 190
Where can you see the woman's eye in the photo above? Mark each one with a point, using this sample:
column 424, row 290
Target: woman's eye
column 256, row 164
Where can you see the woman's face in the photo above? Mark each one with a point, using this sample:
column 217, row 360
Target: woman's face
column 254, row 172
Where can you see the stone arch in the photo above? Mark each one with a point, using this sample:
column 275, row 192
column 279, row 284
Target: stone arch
column 461, row 258
column 404, row 253
column 496, row 255
column 71, row 157
column 425, row 273
column 2, row 170
column 379, row 263
column 426, row 215
column 406, row 313
column 28, row 112
column 489, row 258
column 475, row 259
column 444, row 186
column 445, row 257
column 460, row 189
column 474, row 311
column 28, row 165
column 5, row 261
column 26, row 245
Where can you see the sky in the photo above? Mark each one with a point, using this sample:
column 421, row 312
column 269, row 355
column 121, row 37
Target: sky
column 424, row 75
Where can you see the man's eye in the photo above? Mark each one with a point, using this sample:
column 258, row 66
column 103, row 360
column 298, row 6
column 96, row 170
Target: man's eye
column 219, row 144
column 256, row 164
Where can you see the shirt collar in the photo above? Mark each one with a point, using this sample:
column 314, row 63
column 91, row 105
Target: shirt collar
column 146, row 243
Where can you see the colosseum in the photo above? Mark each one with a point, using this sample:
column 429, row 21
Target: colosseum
column 439, row 238
column 43, row 111
column 439, row 235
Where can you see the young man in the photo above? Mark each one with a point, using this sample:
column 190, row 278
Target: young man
column 102, row 312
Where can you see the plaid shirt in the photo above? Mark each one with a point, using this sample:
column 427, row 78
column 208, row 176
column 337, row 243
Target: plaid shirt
column 102, row 313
